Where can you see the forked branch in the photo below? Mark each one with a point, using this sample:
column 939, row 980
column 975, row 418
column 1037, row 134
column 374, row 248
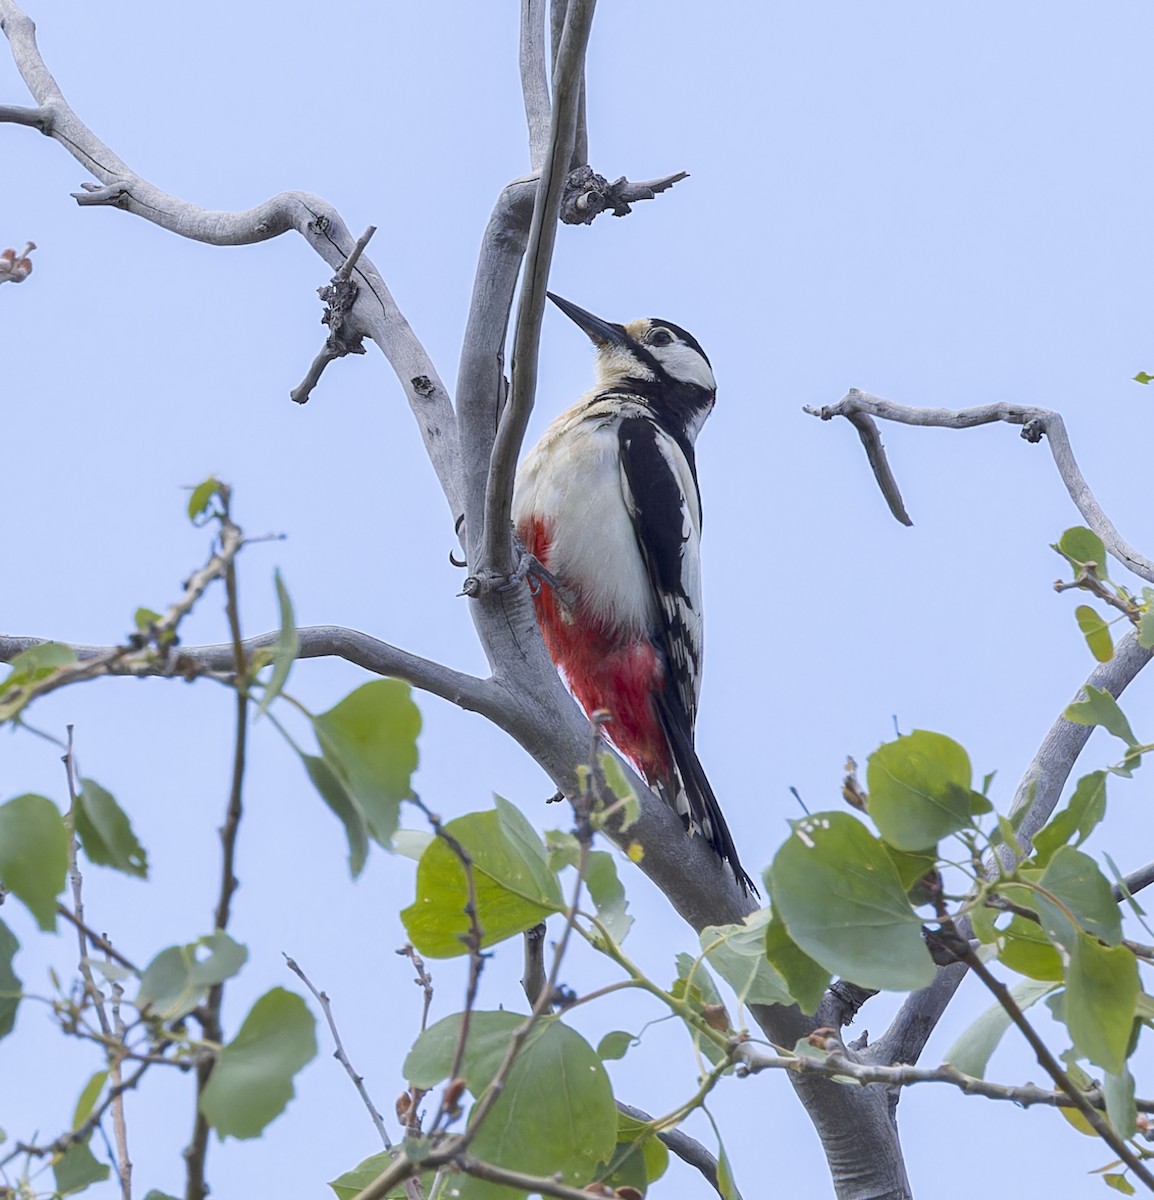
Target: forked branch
column 860, row 408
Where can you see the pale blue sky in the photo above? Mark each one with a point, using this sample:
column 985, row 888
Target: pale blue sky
column 940, row 204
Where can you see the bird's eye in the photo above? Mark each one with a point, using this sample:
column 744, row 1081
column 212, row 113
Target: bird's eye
column 660, row 337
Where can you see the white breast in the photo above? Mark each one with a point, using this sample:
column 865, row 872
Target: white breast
column 572, row 480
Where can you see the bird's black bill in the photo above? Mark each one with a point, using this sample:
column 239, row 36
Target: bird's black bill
column 602, row 332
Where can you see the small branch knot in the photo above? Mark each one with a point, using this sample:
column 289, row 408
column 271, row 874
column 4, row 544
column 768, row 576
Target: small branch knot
column 588, row 194
column 1033, row 429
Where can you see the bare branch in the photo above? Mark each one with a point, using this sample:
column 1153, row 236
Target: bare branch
column 35, row 118
column 1034, row 421
column 339, row 1053
column 209, row 1013
column 339, row 297
column 318, row 641
column 588, row 194
column 534, row 85
column 559, row 11
column 688, row 1149
column 496, row 554
column 838, row 1063
column 1134, row 882
column 376, row 312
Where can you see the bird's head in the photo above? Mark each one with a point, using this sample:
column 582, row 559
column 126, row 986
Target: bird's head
column 647, row 350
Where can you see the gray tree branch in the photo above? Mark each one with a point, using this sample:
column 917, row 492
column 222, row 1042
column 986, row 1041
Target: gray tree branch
column 524, row 696
column 534, row 83
column 375, row 312
column 496, row 559
column 860, row 407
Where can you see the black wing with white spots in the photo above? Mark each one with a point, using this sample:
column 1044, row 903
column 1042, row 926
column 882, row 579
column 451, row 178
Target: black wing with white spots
column 659, row 509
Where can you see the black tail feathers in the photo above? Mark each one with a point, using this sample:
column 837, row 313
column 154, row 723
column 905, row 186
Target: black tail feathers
column 695, row 801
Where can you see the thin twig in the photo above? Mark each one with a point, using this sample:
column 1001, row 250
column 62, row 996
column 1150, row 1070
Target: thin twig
column 209, row 1014
column 112, row 1036
column 116, row 1077
column 82, row 1132
column 1035, row 423
column 423, row 980
column 837, row 1063
column 473, row 941
column 688, row 1149
column 98, row 940
column 537, row 1184
column 142, row 654
column 344, row 335
column 961, row 948
column 496, row 562
column 339, row 1053
column 320, row 641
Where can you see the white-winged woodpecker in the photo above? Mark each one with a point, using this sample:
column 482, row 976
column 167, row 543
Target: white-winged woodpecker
column 608, row 503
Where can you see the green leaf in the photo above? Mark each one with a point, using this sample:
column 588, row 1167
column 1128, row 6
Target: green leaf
column 615, row 1045
column 11, row 989
column 78, row 1168
column 285, row 650
column 1074, row 879
column 1027, row 950
column 369, row 740
column 1118, row 1091
column 412, row 843
column 34, row 855
column 352, row 1183
column 514, row 887
column 178, row 978
column 38, row 662
column 1101, row 992
column 252, row 1081
column 726, row 1185
column 971, row 1052
column 1142, row 377
column 1100, row 708
column 608, row 894
column 1111, row 1178
column 105, row 831
column 695, row 985
column 338, row 797
column 920, row 790
column 86, row 1102
column 1083, row 811
column 640, row 1158
column 556, row 1113
column 620, row 786
column 1096, row 633
column 1083, row 547
column 201, row 496
column 155, row 1195
column 144, row 619
column 1146, row 625
column 737, row 954
column 843, row 904
column 805, row 979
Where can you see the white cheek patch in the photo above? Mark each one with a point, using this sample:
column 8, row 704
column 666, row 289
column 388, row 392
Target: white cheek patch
column 685, row 365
